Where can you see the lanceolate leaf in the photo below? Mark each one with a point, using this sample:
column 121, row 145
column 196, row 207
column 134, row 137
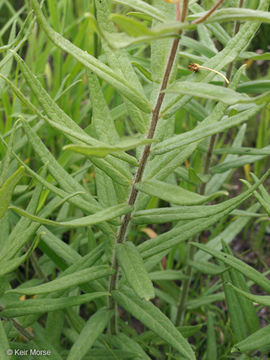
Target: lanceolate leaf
column 181, row 233
column 92, row 63
column 143, row 7
column 208, row 91
column 102, row 151
column 154, row 319
column 259, row 299
column 237, row 264
column 100, row 216
column 133, row 267
column 256, row 341
column 91, row 331
column 7, row 189
column 39, row 306
column 200, row 133
column 68, row 281
column 174, row 194
column 232, row 14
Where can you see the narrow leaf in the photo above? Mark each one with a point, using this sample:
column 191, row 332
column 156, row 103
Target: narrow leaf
column 133, row 267
column 201, row 133
column 258, row 299
column 154, row 319
column 239, row 265
column 7, row 189
column 100, row 216
column 256, row 341
column 207, row 91
column 92, row 63
column 39, row 306
column 65, row 282
column 174, row 194
column 91, row 331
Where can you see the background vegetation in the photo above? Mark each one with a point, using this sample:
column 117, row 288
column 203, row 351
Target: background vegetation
column 134, row 205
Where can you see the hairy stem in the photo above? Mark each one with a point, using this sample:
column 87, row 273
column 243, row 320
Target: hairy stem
column 122, row 233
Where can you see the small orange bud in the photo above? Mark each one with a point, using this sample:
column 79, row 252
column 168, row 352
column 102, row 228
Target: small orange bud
column 172, row 1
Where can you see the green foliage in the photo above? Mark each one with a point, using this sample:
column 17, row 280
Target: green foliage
column 120, row 191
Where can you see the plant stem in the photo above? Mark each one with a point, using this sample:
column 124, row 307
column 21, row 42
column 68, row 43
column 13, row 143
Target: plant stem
column 209, row 12
column 122, row 233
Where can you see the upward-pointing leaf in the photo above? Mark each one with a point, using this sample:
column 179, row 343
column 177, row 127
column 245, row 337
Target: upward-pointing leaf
column 92, row 63
column 93, row 328
column 7, row 189
column 132, row 264
column 154, row 319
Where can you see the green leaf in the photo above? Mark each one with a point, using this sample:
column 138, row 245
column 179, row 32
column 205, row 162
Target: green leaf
column 256, row 341
column 163, row 243
column 237, row 318
column 39, row 306
column 174, row 194
column 133, row 267
column 11, row 265
column 211, row 349
column 167, row 275
column 91, row 331
column 243, row 151
column 4, row 345
column 68, row 281
column 233, row 14
column 237, row 264
column 100, row 216
column 154, row 319
column 207, row 91
column 102, row 151
column 200, row 133
column 254, row 86
column 206, row 267
column 258, row 299
column 130, row 25
column 249, row 312
column 92, row 63
column 205, row 300
column 143, row 7
column 7, row 189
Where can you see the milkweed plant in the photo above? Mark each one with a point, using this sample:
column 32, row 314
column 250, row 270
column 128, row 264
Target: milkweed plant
column 134, row 210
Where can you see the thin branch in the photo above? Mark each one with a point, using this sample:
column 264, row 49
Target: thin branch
column 184, row 10
column 209, row 12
